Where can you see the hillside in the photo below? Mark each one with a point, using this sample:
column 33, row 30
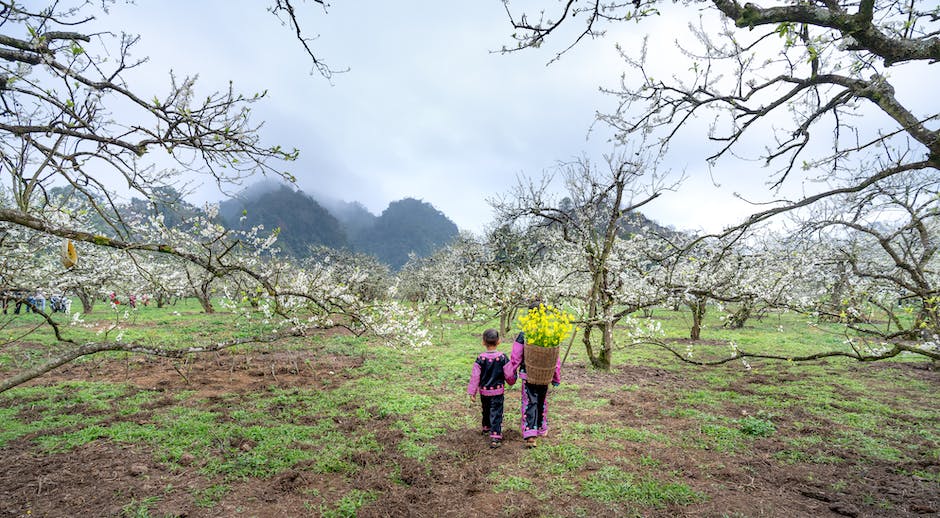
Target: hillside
column 303, row 221
column 407, row 226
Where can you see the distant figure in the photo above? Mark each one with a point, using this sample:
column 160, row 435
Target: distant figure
column 5, row 297
column 20, row 300
column 39, row 301
column 35, row 302
column 60, row 304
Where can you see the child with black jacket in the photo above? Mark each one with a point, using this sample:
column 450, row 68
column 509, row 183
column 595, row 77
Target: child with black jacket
column 487, row 379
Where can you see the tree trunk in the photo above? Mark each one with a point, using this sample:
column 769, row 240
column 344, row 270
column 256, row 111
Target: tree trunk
column 202, row 290
column 739, row 317
column 604, row 359
column 698, row 315
column 833, row 306
column 927, row 322
column 506, row 318
column 205, row 302
column 88, row 301
column 589, row 349
column 203, row 293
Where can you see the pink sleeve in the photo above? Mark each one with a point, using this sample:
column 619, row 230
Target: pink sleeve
column 556, row 378
column 509, row 374
column 474, row 386
column 515, row 360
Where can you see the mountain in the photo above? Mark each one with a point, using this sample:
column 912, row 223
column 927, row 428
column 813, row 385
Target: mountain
column 231, row 210
column 635, row 222
column 629, row 224
column 406, row 226
column 354, row 217
column 302, row 221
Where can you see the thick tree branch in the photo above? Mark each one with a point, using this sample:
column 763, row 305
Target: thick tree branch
column 739, row 354
column 859, row 27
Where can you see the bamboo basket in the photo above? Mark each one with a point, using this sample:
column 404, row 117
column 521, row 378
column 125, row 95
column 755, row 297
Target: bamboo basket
column 540, row 364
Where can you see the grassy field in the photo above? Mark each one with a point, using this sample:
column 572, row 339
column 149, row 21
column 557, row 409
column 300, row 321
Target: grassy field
column 335, row 425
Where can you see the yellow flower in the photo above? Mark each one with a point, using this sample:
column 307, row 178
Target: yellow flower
column 546, row 326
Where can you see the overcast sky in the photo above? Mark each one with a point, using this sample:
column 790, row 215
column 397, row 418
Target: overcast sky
column 427, row 109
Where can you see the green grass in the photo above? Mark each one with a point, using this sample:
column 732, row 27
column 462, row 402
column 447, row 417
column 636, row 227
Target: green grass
column 756, row 427
column 139, row 508
column 513, row 483
column 60, row 407
column 244, row 447
column 611, row 484
column 600, row 432
column 570, row 396
column 720, row 438
column 348, row 505
column 557, row 459
column 211, row 495
column 420, row 430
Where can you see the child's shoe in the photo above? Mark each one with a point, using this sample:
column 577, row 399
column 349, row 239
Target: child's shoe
column 485, row 431
column 531, row 442
column 495, row 443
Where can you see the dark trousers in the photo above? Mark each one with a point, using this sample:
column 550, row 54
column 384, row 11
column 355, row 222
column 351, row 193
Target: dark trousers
column 534, row 407
column 492, row 407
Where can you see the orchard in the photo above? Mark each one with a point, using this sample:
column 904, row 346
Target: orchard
column 156, row 361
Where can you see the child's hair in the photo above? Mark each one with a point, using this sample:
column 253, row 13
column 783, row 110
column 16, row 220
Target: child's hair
column 491, row 337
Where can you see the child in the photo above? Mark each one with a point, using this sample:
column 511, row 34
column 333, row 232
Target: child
column 534, row 397
column 487, row 378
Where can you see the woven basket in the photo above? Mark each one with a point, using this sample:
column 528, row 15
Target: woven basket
column 540, row 364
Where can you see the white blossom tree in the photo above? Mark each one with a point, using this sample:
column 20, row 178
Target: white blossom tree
column 882, row 247
column 588, row 219
column 786, row 84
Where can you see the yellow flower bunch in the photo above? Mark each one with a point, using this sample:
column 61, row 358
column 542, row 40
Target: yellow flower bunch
column 545, row 326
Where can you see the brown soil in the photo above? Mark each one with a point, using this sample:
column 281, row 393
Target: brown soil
column 101, row 478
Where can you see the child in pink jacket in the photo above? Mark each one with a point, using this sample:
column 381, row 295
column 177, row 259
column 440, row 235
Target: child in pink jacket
column 487, row 379
column 534, row 397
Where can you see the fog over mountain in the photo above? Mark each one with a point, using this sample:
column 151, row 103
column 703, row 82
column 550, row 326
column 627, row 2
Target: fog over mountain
column 302, row 221
column 407, row 226
column 352, row 214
